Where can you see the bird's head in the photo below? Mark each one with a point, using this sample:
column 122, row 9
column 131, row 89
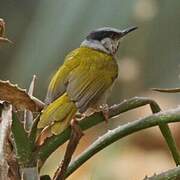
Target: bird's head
column 106, row 39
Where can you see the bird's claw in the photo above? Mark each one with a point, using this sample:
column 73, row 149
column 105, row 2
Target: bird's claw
column 105, row 110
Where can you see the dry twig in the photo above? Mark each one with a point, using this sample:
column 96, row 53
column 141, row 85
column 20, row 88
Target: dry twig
column 76, row 135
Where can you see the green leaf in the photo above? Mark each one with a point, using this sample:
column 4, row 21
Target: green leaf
column 33, row 132
column 22, row 143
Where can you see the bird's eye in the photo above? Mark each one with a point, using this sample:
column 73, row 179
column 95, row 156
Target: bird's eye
column 112, row 36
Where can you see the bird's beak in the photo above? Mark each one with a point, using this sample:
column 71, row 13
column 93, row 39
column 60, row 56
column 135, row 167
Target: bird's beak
column 128, row 30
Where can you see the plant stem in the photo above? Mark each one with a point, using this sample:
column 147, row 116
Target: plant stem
column 76, row 135
column 122, row 131
column 54, row 142
column 166, row 132
column 170, row 142
column 172, row 174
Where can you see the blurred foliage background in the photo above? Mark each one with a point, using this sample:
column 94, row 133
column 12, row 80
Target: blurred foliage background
column 44, row 31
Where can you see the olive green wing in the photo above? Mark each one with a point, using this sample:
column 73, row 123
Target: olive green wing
column 88, row 82
column 58, row 83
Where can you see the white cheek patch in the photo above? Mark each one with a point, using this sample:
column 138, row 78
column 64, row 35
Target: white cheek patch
column 95, row 45
column 107, row 43
column 116, row 46
column 110, row 45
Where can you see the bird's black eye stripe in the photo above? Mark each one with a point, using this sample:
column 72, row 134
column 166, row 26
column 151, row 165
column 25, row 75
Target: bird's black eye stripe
column 101, row 35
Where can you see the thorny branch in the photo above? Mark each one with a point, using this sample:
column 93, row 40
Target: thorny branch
column 169, row 116
column 54, row 142
column 75, row 137
column 172, row 174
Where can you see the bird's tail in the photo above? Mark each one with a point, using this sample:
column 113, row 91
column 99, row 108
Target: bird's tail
column 58, row 114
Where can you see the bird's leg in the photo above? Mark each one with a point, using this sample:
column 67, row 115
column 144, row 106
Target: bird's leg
column 104, row 108
column 80, row 116
column 76, row 128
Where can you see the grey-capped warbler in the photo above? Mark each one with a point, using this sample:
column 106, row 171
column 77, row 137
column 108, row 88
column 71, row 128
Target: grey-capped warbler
column 84, row 79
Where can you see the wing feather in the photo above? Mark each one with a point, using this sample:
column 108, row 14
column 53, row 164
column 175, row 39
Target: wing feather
column 90, row 96
column 86, row 87
column 57, row 86
column 85, row 76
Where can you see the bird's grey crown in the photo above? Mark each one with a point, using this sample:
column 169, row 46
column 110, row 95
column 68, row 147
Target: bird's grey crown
column 106, row 39
column 105, row 32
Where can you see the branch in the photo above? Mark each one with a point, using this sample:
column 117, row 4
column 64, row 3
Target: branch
column 76, row 135
column 173, row 90
column 169, row 116
column 54, row 142
column 166, row 132
column 172, row 174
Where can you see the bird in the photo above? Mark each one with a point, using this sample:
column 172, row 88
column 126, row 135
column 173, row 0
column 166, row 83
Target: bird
column 83, row 82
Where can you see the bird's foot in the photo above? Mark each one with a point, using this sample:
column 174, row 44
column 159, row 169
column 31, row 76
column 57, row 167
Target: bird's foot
column 105, row 110
column 79, row 116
